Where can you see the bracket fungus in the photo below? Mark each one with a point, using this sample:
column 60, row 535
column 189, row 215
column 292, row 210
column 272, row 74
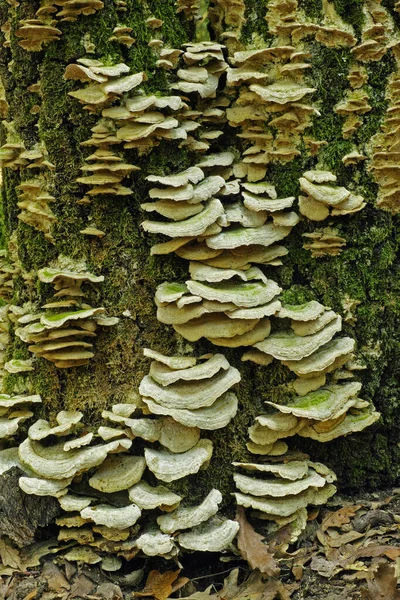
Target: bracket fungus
column 13, row 411
column 33, row 201
column 226, row 306
column 106, row 83
column 204, row 64
column 169, row 466
column 190, row 8
column 322, row 199
column 324, row 242
column 59, row 336
column 385, row 151
column 195, row 396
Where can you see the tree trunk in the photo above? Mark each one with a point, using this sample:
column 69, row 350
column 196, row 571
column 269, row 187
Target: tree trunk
column 360, row 283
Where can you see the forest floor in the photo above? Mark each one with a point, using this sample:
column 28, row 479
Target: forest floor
column 350, row 550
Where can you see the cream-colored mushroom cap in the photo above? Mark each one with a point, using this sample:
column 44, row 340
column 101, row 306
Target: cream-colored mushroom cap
column 266, row 235
column 352, row 423
column 66, row 422
column 173, row 362
column 191, row 175
column 323, row 404
column 168, row 466
column 54, row 463
column 285, row 345
column 71, row 503
column 155, row 543
column 118, row 472
column 295, row 469
column 44, row 487
column 277, row 487
column 119, row 518
column 166, row 376
column 9, row 458
column 147, row 497
column 176, row 436
column 213, row 417
column 194, row 226
column 190, row 395
column 323, row 357
column 302, row 312
column 283, row 508
column 243, row 294
column 213, row 536
column 304, row 328
column 186, row 517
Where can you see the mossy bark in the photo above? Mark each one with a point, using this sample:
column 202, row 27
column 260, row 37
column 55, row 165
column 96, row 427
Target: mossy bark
column 366, row 271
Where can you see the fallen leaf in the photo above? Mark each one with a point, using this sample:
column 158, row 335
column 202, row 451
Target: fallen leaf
column 252, row 548
column 109, row 591
column 374, row 550
column 324, row 567
column 256, row 587
column 335, row 540
column 340, row 517
column 55, row 579
column 33, row 594
column 159, row 585
column 9, row 556
column 81, row 587
column 382, row 584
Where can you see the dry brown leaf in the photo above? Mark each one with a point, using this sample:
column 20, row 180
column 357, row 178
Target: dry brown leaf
column 55, row 579
column 340, row 517
column 252, row 548
column 82, row 586
column 33, row 594
column 9, row 556
column 382, row 583
column 374, row 550
column 159, row 585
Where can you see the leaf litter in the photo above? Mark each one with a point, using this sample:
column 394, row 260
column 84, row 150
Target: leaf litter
column 349, row 550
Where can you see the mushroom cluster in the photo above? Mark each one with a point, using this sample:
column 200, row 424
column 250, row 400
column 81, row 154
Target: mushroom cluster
column 290, row 25
column 194, row 393
column 34, row 200
column 14, row 155
column 56, row 469
column 106, row 83
column 228, row 307
column 385, row 150
column 122, row 35
column 283, row 105
column 13, row 411
column 58, row 333
column 190, row 8
column 37, row 32
column 281, row 492
column 204, row 63
column 323, row 198
column 227, row 18
column 7, row 273
column 104, row 171
column 353, row 106
column 376, row 34
column 324, row 242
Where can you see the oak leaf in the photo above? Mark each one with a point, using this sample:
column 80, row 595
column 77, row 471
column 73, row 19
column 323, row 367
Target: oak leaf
column 382, row 584
column 340, row 517
column 159, row 585
column 252, row 548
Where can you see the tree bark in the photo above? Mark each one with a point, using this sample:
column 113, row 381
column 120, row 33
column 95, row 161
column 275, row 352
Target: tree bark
column 361, row 283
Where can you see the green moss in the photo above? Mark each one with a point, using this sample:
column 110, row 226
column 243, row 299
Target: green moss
column 255, row 23
column 351, row 12
column 311, row 8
